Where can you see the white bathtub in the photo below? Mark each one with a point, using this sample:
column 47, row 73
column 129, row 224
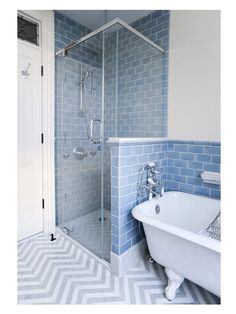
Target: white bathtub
column 174, row 241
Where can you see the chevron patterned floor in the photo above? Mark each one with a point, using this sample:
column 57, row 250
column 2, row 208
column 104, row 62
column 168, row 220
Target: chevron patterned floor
column 86, row 230
column 63, row 272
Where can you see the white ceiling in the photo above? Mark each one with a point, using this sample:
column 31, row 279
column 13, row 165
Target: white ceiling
column 96, row 18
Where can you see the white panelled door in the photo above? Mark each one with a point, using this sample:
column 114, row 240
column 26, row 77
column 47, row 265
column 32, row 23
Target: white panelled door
column 30, row 212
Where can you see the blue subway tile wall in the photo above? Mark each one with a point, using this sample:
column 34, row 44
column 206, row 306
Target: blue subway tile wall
column 127, row 175
column 135, row 104
column 138, row 115
column 136, row 85
column 156, row 27
column 181, row 163
column 186, row 160
column 76, row 180
column 67, row 30
column 141, row 111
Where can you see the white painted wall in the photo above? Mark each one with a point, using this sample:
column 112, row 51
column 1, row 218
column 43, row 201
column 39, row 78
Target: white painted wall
column 194, row 75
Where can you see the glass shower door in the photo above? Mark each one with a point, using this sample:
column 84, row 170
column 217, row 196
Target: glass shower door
column 79, row 144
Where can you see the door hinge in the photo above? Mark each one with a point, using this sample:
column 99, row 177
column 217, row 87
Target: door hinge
column 41, row 70
column 43, row 203
column 42, row 138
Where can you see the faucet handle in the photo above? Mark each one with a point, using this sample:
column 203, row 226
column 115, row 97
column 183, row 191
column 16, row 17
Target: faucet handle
column 153, row 167
column 151, row 182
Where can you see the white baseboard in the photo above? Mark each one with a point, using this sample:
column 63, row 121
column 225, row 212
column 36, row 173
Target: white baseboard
column 120, row 264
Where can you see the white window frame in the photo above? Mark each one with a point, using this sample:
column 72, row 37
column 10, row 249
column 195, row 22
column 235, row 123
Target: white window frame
column 46, row 19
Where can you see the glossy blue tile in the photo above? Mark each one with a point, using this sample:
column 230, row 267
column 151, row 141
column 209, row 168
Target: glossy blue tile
column 115, row 249
column 211, row 167
column 194, row 181
column 180, row 163
column 187, row 156
column 173, row 170
column 114, row 220
column 115, row 230
column 178, row 178
column 132, row 233
column 212, row 150
column 203, row 158
column 125, row 247
column 173, row 155
column 195, row 149
column 136, row 239
column 186, row 188
column 59, row 16
column 202, row 191
column 115, row 239
column 125, row 151
column 187, row 172
column 194, row 165
column 181, row 148
column 173, row 185
column 215, row 193
column 216, row 159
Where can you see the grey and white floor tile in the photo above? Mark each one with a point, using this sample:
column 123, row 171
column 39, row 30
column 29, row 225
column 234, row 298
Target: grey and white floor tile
column 87, row 231
column 63, row 272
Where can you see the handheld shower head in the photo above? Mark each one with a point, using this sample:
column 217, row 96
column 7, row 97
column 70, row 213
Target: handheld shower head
column 86, row 76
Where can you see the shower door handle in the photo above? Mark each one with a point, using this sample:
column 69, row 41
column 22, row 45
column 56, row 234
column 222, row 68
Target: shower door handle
column 95, row 141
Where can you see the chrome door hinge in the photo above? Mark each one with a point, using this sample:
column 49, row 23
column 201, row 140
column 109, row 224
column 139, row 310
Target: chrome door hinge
column 41, row 70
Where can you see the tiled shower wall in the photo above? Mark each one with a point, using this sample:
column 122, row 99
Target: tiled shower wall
column 135, row 100
column 142, row 85
column 78, row 182
column 78, row 188
column 140, row 88
column 181, row 163
column 135, row 84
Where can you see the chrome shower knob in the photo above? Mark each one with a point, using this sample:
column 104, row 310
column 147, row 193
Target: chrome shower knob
column 79, row 153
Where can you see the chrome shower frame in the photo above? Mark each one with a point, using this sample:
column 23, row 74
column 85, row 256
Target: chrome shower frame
column 104, row 27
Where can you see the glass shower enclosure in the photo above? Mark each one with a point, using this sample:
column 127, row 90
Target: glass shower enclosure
column 104, row 88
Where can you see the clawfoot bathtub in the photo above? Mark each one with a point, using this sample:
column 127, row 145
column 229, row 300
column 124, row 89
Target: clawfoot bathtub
column 173, row 226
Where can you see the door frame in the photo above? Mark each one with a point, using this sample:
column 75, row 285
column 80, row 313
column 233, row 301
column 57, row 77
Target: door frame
column 46, row 19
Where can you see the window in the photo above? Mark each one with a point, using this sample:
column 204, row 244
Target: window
column 28, row 30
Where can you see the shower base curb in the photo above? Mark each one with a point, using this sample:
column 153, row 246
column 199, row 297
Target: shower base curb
column 120, row 264
column 83, row 248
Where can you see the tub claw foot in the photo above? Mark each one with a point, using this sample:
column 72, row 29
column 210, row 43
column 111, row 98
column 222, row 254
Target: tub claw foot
column 174, row 281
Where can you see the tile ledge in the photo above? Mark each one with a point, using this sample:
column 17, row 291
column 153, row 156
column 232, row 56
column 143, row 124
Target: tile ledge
column 122, row 140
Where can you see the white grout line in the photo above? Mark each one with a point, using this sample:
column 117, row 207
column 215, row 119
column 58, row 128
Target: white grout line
column 105, row 263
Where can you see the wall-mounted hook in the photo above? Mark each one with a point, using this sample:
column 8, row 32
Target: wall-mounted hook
column 25, row 73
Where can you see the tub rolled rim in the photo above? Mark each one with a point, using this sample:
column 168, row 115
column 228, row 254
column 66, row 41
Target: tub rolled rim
column 196, row 238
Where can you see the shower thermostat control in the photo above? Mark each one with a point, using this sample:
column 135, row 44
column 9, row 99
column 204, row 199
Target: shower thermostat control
column 79, row 153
